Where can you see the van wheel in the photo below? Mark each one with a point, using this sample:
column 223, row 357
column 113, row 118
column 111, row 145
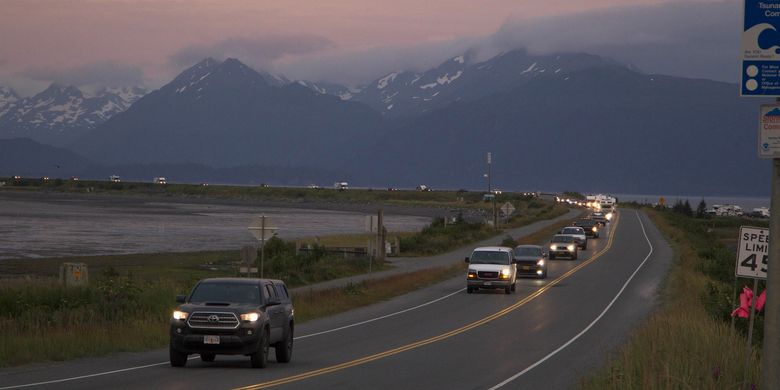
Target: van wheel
column 207, row 357
column 178, row 359
column 284, row 348
column 259, row 359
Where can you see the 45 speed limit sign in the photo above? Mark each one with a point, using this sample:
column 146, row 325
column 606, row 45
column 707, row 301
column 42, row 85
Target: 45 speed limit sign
column 753, row 253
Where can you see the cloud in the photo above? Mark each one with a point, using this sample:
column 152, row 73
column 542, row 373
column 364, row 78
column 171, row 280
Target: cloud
column 260, row 52
column 692, row 39
column 102, row 73
column 698, row 39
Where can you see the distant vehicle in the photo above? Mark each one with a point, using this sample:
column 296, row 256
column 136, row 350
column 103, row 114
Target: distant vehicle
column 725, row 210
column 599, row 217
column 341, row 186
column 114, row 179
column 590, row 227
column 530, row 261
column 497, row 191
column 45, row 178
column 563, row 245
column 74, row 178
column 313, row 187
column 423, row 187
column 392, row 189
column 761, row 212
column 160, row 180
column 17, row 177
column 233, row 316
column 491, row 267
column 579, row 235
column 204, row 184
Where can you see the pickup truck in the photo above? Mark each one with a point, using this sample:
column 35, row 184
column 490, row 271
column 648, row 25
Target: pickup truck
column 233, row 316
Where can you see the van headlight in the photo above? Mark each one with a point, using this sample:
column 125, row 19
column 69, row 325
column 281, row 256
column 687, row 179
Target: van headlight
column 251, row 317
column 180, row 315
column 472, row 274
column 505, row 273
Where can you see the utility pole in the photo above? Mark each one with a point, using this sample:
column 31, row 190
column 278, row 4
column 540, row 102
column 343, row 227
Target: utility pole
column 490, row 188
column 770, row 355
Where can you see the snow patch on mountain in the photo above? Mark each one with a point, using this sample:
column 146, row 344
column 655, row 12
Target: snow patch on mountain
column 382, row 83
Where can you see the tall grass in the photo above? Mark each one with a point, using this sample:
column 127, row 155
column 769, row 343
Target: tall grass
column 688, row 343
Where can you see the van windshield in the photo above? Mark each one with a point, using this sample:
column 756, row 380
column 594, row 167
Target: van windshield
column 490, row 257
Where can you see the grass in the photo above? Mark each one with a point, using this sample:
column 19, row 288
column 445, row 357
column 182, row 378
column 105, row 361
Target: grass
column 318, row 304
column 688, row 341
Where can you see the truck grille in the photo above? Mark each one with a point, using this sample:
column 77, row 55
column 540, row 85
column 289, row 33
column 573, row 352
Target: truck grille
column 213, row 320
column 487, row 275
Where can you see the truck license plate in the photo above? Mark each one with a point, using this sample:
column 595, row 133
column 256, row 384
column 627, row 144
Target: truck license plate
column 210, row 339
column 488, row 283
column 526, row 268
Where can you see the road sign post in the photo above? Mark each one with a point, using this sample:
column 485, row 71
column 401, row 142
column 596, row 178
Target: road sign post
column 770, row 356
column 752, row 262
column 261, row 228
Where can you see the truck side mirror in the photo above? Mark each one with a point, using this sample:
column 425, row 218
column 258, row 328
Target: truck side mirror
column 181, row 298
column 467, row 259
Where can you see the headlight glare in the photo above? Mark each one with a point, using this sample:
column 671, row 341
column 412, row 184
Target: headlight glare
column 251, row 317
column 540, row 263
column 570, row 247
column 180, row 315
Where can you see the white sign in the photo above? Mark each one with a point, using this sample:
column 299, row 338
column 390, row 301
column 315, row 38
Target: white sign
column 753, row 253
column 769, row 131
column 261, row 228
column 507, row 209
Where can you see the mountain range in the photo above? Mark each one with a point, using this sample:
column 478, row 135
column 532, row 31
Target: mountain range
column 61, row 114
column 554, row 122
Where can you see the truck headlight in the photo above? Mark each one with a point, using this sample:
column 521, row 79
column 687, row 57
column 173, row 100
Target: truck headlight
column 505, row 273
column 570, row 248
column 540, row 263
column 251, row 317
column 180, row 315
column 472, row 274
column 552, row 247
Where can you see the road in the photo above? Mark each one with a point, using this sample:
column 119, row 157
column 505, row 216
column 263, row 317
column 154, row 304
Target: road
column 546, row 335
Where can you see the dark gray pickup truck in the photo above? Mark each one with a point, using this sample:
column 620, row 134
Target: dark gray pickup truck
column 233, row 316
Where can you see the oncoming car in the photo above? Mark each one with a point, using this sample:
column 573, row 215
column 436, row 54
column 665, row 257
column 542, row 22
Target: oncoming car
column 233, row 316
column 530, row 261
column 491, row 267
column 563, row 245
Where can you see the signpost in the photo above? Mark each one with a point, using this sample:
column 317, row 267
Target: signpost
column 261, row 229
column 760, row 76
column 752, row 262
column 248, row 257
column 760, row 43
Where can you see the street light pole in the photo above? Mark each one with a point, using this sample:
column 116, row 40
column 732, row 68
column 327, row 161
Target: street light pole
column 770, row 355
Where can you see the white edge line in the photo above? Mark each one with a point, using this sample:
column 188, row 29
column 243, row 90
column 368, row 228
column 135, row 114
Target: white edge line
column 380, row 318
column 606, row 309
column 194, row 357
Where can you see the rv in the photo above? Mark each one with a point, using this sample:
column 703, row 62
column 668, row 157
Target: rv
column 114, row 179
column 725, row 210
column 160, row 180
column 341, row 186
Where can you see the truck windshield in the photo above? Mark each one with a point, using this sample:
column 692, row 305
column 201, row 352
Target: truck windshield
column 490, row 257
column 226, row 293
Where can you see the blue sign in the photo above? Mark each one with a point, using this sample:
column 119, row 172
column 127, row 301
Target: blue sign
column 761, row 48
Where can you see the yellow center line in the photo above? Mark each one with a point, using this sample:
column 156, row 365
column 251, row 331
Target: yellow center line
column 443, row 336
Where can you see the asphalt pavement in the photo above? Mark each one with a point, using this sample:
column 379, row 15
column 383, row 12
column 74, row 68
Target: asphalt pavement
column 546, row 335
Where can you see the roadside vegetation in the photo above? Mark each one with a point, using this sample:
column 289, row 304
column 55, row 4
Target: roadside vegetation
column 690, row 342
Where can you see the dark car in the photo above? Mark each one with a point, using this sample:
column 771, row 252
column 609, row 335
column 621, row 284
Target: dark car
column 590, row 226
column 563, row 245
column 599, row 217
column 530, row 261
column 233, row 316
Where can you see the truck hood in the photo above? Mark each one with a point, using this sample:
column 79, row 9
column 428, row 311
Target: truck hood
column 488, row 267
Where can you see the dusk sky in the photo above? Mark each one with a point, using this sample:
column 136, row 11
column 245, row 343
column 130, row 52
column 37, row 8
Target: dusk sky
column 87, row 42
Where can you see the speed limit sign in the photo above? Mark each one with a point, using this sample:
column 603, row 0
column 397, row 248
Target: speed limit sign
column 753, row 253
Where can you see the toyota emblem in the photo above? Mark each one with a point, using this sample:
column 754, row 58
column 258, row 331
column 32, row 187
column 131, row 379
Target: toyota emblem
column 213, row 318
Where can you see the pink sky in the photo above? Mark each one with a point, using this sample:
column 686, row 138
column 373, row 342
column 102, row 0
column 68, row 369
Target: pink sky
column 65, row 34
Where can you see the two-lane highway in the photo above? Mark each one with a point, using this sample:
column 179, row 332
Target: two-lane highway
column 544, row 336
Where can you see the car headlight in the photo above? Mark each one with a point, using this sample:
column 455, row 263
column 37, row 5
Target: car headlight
column 505, row 273
column 552, row 247
column 540, row 263
column 594, row 229
column 180, row 315
column 472, row 274
column 251, row 317
column 570, row 247
column 609, row 216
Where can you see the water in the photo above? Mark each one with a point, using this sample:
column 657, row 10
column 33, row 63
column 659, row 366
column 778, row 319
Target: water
column 67, row 226
column 747, row 203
